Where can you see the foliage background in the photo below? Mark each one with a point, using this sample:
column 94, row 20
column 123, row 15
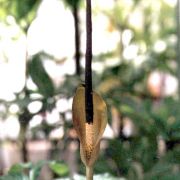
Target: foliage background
column 135, row 69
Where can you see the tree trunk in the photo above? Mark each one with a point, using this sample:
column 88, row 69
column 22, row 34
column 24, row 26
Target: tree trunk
column 77, row 39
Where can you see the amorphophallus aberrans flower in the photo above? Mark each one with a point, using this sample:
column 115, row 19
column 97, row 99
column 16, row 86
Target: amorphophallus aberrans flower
column 89, row 134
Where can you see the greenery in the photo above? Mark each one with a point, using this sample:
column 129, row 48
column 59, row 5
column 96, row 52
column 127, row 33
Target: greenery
column 123, row 83
column 17, row 171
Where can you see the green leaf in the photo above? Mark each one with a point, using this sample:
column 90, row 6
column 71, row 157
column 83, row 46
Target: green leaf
column 173, row 156
column 59, row 168
column 19, row 168
column 126, row 109
column 160, row 168
column 40, row 76
column 23, row 11
column 23, row 7
column 170, row 177
column 14, row 176
column 36, row 169
column 73, row 3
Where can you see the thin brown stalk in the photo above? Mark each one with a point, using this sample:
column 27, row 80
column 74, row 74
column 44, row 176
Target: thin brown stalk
column 88, row 69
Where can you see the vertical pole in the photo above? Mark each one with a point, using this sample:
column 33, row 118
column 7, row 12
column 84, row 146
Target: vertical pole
column 88, row 70
column 178, row 43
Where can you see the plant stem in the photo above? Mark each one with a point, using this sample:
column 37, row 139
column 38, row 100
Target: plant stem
column 77, row 38
column 23, row 142
column 24, row 119
column 89, row 173
column 88, row 70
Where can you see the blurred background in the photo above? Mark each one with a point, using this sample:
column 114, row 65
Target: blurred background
column 136, row 69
